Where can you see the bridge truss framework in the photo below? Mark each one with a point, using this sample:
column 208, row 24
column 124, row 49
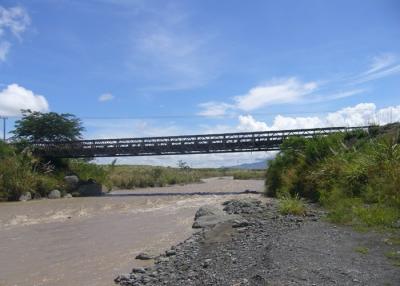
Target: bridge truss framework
column 180, row 145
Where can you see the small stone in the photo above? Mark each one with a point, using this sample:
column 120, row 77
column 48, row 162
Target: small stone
column 240, row 223
column 163, row 259
column 170, row 252
column 68, row 196
column 206, row 263
column 143, row 256
column 396, row 224
column 138, row 270
column 122, row 277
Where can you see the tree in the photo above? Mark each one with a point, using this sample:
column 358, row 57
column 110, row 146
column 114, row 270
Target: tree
column 183, row 165
column 51, row 126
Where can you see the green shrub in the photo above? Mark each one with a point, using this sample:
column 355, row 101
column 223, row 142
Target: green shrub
column 46, row 183
column 355, row 175
column 87, row 171
column 291, row 205
column 16, row 175
column 248, row 174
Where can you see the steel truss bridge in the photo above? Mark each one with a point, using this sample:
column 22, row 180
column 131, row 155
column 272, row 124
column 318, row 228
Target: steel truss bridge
column 179, row 145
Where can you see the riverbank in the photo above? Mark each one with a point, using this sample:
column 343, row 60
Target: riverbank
column 90, row 240
column 262, row 247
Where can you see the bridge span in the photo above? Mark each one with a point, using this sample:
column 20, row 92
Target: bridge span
column 176, row 145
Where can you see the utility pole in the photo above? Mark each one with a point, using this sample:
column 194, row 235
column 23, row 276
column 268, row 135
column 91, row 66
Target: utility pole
column 4, row 127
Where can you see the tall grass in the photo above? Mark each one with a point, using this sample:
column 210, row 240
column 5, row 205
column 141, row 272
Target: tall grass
column 130, row 177
column 356, row 176
column 20, row 172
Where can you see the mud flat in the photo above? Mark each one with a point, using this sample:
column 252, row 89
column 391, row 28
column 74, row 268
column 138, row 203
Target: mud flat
column 251, row 244
column 89, row 241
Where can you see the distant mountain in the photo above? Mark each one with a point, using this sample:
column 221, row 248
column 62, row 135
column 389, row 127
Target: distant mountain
column 248, row 166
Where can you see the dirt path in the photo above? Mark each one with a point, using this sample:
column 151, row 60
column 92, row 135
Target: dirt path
column 65, row 242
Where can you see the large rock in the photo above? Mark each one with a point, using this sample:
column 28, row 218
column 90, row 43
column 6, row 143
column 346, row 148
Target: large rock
column 54, row 194
column 91, row 189
column 209, row 216
column 207, row 210
column 72, row 182
column 25, row 197
column 210, row 221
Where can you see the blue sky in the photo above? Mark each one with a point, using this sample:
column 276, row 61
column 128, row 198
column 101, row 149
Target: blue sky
column 144, row 68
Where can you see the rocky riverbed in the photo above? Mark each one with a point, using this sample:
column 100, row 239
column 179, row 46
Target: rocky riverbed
column 249, row 243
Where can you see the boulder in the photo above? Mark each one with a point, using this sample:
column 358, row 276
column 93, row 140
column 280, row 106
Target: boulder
column 37, row 196
column 91, row 189
column 68, row 196
column 25, row 197
column 72, row 182
column 54, row 194
column 209, row 221
column 207, row 210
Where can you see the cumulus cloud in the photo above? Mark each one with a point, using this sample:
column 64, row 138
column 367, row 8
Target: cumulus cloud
column 14, row 98
column 275, row 92
column 358, row 115
column 106, row 97
column 13, row 21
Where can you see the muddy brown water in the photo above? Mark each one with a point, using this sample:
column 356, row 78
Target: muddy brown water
column 88, row 241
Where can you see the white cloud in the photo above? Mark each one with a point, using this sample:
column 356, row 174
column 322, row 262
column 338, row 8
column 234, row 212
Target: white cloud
column 292, row 90
column 359, row 115
column 247, row 124
column 13, row 21
column 106, row 97
column 14, row 98
column 214, row 109
column 381, row 62
column 275, row 92
column 381, row 66
column 278, row 91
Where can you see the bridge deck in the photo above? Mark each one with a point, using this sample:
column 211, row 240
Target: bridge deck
column 175, row 145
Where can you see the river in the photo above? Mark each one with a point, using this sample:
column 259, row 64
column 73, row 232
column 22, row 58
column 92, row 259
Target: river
column 88, row 241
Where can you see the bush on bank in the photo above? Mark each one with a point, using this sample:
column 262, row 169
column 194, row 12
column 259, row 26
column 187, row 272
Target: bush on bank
column 356, row 175
column 21, row 172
